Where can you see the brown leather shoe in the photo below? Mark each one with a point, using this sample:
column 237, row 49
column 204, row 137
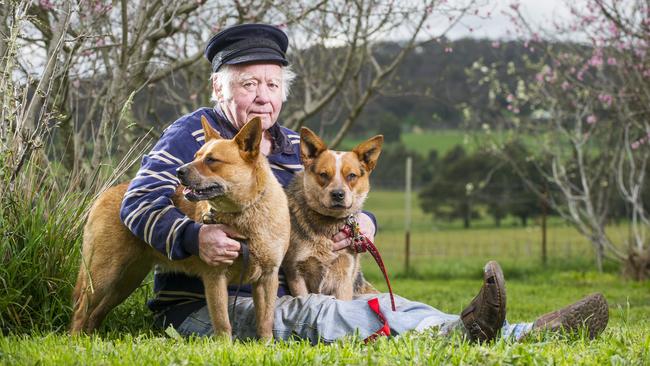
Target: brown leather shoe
column 590, row 313
column 484, row 316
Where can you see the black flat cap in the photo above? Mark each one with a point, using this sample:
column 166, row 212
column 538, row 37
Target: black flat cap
column 247, row 43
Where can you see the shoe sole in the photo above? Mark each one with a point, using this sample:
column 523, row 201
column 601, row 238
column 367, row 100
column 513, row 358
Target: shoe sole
column 590, row 313
column 477, row 329
column 500, row 283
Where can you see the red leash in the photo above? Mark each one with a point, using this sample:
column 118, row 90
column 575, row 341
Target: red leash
column 385, row 329
column 361, row 244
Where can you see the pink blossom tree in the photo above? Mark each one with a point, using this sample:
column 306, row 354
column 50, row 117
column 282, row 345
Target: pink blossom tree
column 588, row 106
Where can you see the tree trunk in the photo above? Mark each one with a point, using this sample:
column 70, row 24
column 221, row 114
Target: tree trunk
column 115, row 99
column 54, row 64
column 600, row 253
column 637, row 265
column 5, row 14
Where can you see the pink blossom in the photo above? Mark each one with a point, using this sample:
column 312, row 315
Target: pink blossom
column 76, row 83
column 605, row 99
column 646, row 73
column 566, row 85
column 613, row 29
column 46, row 4
column 591, row 119
column 595, row 61
column 509, row 107
column 449, row 50
column 514, row 6
column 611, row 61
column 510, row 98
column 496, row 44
column 635, row 145
column 515, row 110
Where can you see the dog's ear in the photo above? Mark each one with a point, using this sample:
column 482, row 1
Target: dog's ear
column 311, row 146
column 248, row 139
column 210, row 133
column 369, row 150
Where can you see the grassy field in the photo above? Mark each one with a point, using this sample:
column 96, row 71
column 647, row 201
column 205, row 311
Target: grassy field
column 445, row 272
column 531, row 291
column 423, row 142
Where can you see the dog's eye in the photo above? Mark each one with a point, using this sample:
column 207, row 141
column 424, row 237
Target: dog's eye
column 324, row 175
column 210, row 160
column 351, row 177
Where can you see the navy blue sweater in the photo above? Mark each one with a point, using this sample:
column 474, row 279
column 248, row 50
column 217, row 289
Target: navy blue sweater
column 147, row 209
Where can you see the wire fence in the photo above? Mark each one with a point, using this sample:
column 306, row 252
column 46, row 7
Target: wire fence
column 439, row 239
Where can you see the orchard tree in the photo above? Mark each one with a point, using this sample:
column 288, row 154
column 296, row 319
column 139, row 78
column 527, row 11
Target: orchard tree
column 588, row 111
column 73, row 70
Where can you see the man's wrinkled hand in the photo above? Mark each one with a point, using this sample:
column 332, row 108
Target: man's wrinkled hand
column 366, row 226
column 217, row 244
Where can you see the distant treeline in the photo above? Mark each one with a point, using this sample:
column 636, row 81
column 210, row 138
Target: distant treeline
column 431, row 88
column 463, row 186
column 428, row 90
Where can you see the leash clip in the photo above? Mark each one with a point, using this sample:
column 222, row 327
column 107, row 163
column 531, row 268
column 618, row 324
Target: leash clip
column 358, row 240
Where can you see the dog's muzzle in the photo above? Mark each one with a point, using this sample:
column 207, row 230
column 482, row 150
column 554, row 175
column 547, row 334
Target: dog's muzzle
column 195, row 194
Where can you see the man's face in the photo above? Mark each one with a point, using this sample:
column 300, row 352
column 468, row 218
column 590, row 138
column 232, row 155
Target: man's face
column 256, row 91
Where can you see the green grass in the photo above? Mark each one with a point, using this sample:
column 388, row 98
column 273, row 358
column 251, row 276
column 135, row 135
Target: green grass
column 626, row 341
column 440, row 140
column 425, row 141
column 444, row 140
column 445, row 272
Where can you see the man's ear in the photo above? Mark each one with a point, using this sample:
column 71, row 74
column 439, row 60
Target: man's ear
column 368, row 151
column 248, row 139
column 217, row 89
column 210, row 133
column 311, row 146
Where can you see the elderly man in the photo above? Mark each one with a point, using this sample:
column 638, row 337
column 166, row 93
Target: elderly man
column 251, row 79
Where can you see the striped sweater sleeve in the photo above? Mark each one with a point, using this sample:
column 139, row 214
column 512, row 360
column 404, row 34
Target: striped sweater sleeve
column 147, row 208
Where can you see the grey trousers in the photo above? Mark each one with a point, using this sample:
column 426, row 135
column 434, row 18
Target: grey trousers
column 317, row 317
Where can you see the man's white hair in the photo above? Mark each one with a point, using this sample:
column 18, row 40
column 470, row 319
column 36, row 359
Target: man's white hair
column 224, row 77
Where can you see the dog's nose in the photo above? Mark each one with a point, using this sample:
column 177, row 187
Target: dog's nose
column 337, row 195
column 181, row 172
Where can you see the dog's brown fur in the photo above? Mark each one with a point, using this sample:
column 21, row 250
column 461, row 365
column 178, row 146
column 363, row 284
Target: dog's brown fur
column 316, row 215
column 251, row 201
